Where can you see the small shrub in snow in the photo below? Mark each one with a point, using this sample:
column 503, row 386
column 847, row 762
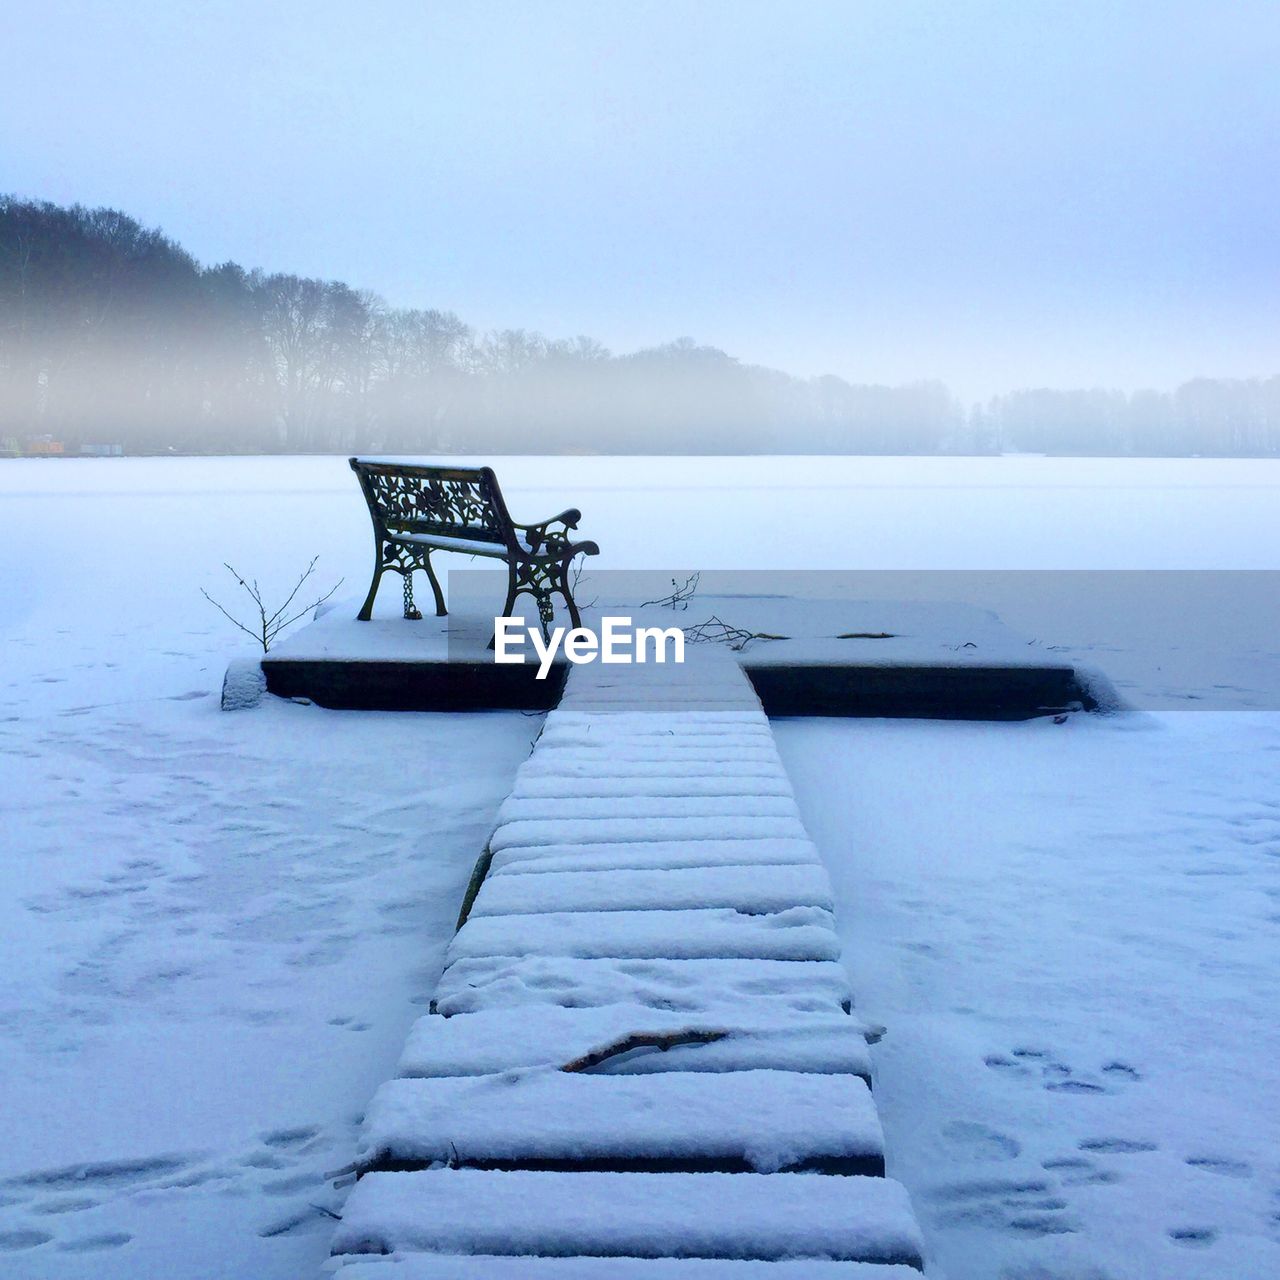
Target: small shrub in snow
column 265, row 626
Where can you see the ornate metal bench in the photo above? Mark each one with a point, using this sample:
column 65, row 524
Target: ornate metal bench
column 420, row 509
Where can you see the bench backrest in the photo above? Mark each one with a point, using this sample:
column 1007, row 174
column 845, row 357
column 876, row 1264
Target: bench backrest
column 458, row 502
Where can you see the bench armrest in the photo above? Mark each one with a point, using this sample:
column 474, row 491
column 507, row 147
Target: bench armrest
column 568, row 518
column 537, row 534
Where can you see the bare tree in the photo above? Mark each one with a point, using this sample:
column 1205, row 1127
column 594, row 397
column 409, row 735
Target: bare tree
column 265, row 626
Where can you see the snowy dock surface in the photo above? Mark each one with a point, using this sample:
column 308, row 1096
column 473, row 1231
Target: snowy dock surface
column 640, row 1057
column 811, row 656
column 408, row 1266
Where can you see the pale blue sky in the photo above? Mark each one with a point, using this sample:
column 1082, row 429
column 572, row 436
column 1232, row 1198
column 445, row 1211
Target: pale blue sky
column 996, row 194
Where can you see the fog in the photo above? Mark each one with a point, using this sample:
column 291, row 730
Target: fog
column 988, row 196
column 112, row 336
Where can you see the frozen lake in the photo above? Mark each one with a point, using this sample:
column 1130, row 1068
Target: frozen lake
column 217, row 929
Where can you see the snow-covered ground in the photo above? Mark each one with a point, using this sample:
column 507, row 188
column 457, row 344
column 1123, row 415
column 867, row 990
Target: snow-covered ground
column 214, row 928
column 1072, row 933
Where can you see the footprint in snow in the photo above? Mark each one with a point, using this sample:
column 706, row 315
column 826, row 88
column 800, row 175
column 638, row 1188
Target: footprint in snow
column 978, row 1142
column 290, row 1137
column 1019, row 1207
column 92, row 1244
column 74, row 1204
column 22, row 1238
column 1058, row 1077
column 102, row 1174
column 1079, row 1171
column 1120, row 1071
column 1117, row 1146
column 1224, row 1166
column 1193, row 1237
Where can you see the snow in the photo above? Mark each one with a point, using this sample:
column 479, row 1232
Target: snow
column 498, row 1040
column 767, row 1120
column 443, row 1267
column 468, row 546
column 244, row 685
column 215, row 929
column 518, row 808
column 720, row 825
column 704, row 729
column 762, row 1118
column 1072, row 934
column 759, row 888
column 719, row 933
column 599, row 754
column 693, row 985
column 184, row 1061
column 640, row 764
column 584, row 782
column 713, row 1215
column 644, row 854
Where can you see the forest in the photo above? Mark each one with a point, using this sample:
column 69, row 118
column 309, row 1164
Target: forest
column 114, row 336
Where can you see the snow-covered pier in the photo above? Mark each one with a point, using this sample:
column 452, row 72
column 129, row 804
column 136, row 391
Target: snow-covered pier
column 642, row 1036
column 803, row 655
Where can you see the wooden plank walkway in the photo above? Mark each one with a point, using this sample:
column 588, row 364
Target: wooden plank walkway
column 648, row 1038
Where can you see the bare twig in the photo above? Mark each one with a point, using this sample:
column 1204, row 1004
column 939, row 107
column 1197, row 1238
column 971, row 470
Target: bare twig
column 269, row 625
column 716, row 631
column 663, row 1040
column 680, row 597
column 580, row 564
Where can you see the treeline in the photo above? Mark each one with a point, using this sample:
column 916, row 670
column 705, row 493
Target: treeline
column 112, row 333
column 1209, row 416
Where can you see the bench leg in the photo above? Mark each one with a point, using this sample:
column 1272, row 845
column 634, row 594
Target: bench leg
column 541, row 580
column 441, row 611
column 366, row 610
column 513, row 589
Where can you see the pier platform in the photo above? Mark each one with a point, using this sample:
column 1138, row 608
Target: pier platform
column 805, row 656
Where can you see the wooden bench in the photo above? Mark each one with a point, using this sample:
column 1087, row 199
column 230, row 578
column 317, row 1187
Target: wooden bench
column 420, row 509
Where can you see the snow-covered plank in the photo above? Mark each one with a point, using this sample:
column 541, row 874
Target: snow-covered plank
column 760, row 888
column 631, row 754
column 584, row 808
column 712, row 1215
column 799, row 933
column 436, row 1266
column 684, row 703
column 688, row 725
column 676, row 695
column 640, row 854
column 484, row 1043
column 605, row 748
column 672, row 744
column 654, row 729
column 682, row 698
column 511, row 982
column 674, row 782
column 635, row 759
column 570, row 830
column 701, row 668
column 741, row 704
column 796, row 1047
column 762, row 1121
